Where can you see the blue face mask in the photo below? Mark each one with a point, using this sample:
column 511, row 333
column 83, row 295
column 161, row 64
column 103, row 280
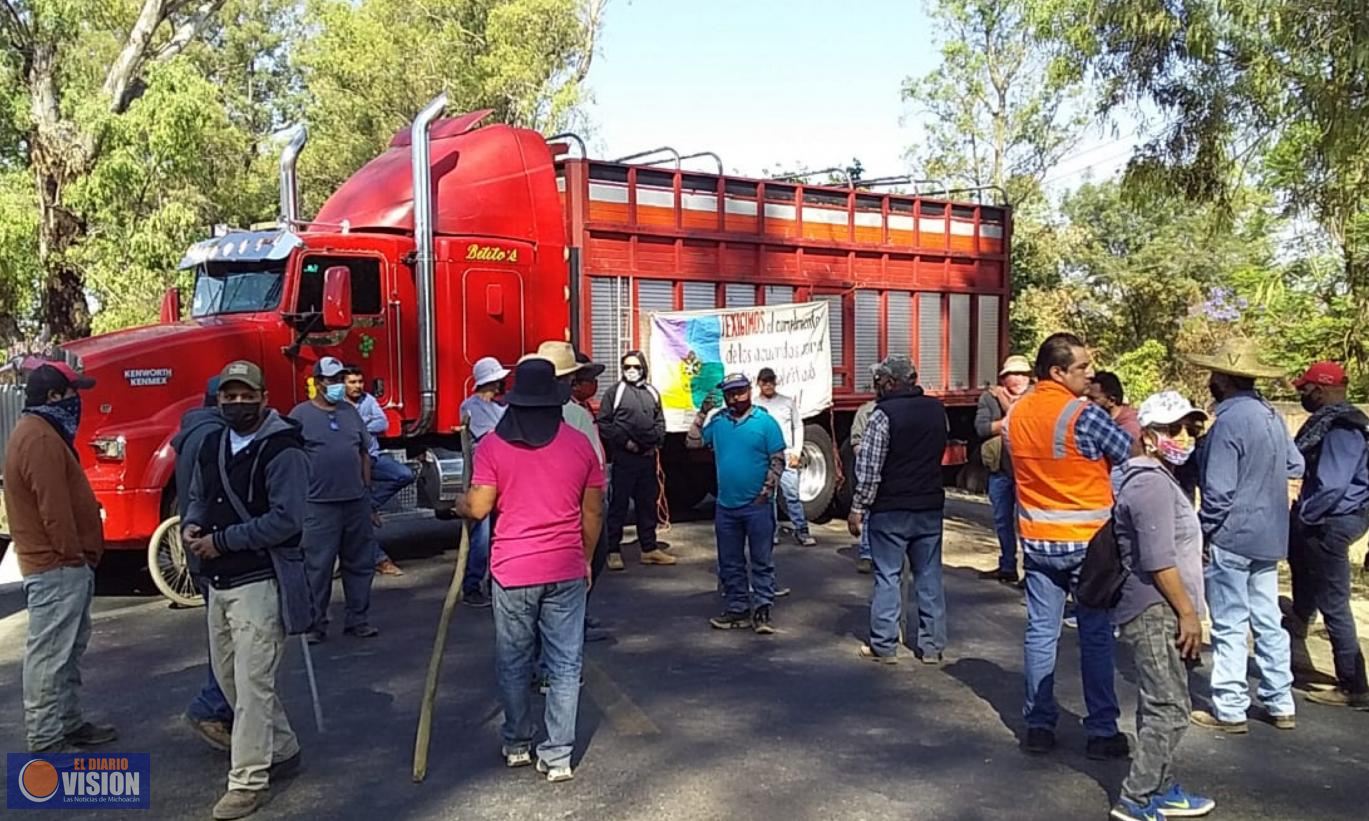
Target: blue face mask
column 335, row 393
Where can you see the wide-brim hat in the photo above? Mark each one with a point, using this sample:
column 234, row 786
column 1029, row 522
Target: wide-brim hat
column 1237, row 357
column 560, row 354
column 487, row 370
column 535, row 385
column 589, row 369
column 1015, row 364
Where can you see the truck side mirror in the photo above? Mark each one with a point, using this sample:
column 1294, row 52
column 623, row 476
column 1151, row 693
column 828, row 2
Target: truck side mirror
column 170, row 312
column 337, row 298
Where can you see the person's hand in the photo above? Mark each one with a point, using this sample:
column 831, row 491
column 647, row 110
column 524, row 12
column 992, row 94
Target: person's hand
column 589, row 575
column 794, row 460
column 1189, row 639
column 854, row 522
column 707, row 405
column 1001, row 394
column 376, row 521
column 633, row 447
column 191, row 531
column 202, row 546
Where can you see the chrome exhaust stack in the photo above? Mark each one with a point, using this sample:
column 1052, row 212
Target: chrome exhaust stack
column 289, row 185
column 425, row 274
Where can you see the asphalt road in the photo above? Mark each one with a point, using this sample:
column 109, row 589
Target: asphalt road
column 678, row 721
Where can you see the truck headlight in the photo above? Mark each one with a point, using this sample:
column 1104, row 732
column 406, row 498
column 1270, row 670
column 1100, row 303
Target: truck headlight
column 109, row 448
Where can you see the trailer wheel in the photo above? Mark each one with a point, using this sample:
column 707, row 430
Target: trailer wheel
column 166, row 563
column 818, row 478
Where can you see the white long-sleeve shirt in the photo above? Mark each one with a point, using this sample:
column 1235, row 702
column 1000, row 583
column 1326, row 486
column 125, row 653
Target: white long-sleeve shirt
column 786, row 412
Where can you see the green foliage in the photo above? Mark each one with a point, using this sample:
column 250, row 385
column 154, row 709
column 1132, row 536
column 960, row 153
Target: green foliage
column 1143, row 370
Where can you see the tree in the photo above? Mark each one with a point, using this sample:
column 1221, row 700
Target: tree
column 999, row 110
column 1277, row 89
column 373, row 64
column 80, row 72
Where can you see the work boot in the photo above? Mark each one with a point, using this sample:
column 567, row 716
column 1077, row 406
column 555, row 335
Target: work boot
column 91, row 735
column 865, row 566
column 731, row 620
column 657, row 557
column 216, row 734
column 615, row 562
column 240, row 804
column 389, row 568
column 1203, row 718
column 1338, row 697
column 1102, row 748
column 760, row 621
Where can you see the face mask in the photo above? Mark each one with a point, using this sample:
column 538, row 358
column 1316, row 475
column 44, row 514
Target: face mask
column 1308, row 404
column 241, row 416
column 631, row 374
column 71, row 406
column 1174, row 449
column 334, row 393
column 739, row 407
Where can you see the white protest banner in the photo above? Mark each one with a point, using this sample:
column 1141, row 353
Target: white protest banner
column 691, row 351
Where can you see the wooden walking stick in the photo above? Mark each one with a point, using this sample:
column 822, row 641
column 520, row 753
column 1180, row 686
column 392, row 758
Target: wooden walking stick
column 425, row 712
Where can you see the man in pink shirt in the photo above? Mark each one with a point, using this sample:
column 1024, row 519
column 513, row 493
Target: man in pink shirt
column 543, row 479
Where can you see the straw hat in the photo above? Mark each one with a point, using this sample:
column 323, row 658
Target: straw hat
column 1238, row 357
column 1015, row 364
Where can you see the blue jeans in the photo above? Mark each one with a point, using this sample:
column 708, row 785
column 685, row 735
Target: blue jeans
column 865, row 551
column 917, row 535
column 1319, row 558
column 1050, row 579
column 1243, row 596
column 388, row 478
column 789, row 491
column 336, row 531
column 209, row 704
column 1003, row 500
column 478, row 556
column 58, row 602
column 555, row 613
column 742, row 532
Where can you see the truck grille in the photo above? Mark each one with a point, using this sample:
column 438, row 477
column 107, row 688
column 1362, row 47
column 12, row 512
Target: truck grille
column 11, row 405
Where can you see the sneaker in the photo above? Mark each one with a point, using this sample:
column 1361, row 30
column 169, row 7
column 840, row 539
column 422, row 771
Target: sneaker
column 361, row 631
column 731, row 621
column 1104, row 748
column 476, row 598
column 1072, row 622
column 91, row 735
column 657, row 556
column 561, row 772
column 516, row 757
column 781, row 592
column 805, row 539
column 930, row 660
column 389, row 568
column 1337, row 697
column 615, row 562
column 868, row 652
column 286, row 767
column 865, row 566
column 316, row 637
column 216, row 734
column 240, row 804
column 760, row 621
column 1039, row 741
column 1203, row 718
column 1179, row 804
column 1127, row 810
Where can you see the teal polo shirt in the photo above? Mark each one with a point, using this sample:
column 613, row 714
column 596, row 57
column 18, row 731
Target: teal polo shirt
column 742, row 449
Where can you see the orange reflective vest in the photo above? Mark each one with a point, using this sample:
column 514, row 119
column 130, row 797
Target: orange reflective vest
column 1062, row 496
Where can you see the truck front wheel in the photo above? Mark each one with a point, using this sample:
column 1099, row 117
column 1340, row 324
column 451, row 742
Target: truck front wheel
column 818, row 478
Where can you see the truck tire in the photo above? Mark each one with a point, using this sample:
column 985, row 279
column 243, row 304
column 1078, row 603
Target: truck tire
column 818, row 479
column 166, row 562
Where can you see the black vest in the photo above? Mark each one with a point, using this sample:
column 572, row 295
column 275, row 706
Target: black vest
column 247, row 476
column 1354, row 420
column 911, row 479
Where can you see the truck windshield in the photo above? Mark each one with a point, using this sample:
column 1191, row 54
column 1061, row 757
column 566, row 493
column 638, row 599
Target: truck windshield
column 237, row 287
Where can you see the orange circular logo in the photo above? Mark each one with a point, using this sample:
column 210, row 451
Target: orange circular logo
column 38, row 780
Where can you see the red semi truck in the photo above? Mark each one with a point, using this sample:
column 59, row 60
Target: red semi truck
column 513, row 240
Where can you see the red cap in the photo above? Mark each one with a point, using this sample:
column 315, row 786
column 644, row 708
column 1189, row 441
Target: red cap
column 1322, row 373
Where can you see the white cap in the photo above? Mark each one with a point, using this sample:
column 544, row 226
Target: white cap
column 1166, row 408
column 487, row 370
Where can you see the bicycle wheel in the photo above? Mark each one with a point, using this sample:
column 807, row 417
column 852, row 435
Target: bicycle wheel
column 166, row 563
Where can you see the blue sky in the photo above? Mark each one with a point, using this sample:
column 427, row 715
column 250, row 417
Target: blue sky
column 803, row 83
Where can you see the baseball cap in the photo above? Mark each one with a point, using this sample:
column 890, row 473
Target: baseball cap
column 329, row 367
column 734, row 382
column 766, row 375
column 1322, row 373
column 248, row 373
column 897, row 366
column 1165, row 408
column 1015, row 364
column 45, row 376
column 488, row 369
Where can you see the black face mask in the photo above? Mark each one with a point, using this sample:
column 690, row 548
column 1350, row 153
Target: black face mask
column 739, row 407
column 1309, row 404
column 241, row 416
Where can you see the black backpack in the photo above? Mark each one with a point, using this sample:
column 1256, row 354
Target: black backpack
column 1103, row 574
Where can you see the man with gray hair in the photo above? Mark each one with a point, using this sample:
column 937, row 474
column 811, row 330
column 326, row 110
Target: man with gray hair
column 898, row 482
